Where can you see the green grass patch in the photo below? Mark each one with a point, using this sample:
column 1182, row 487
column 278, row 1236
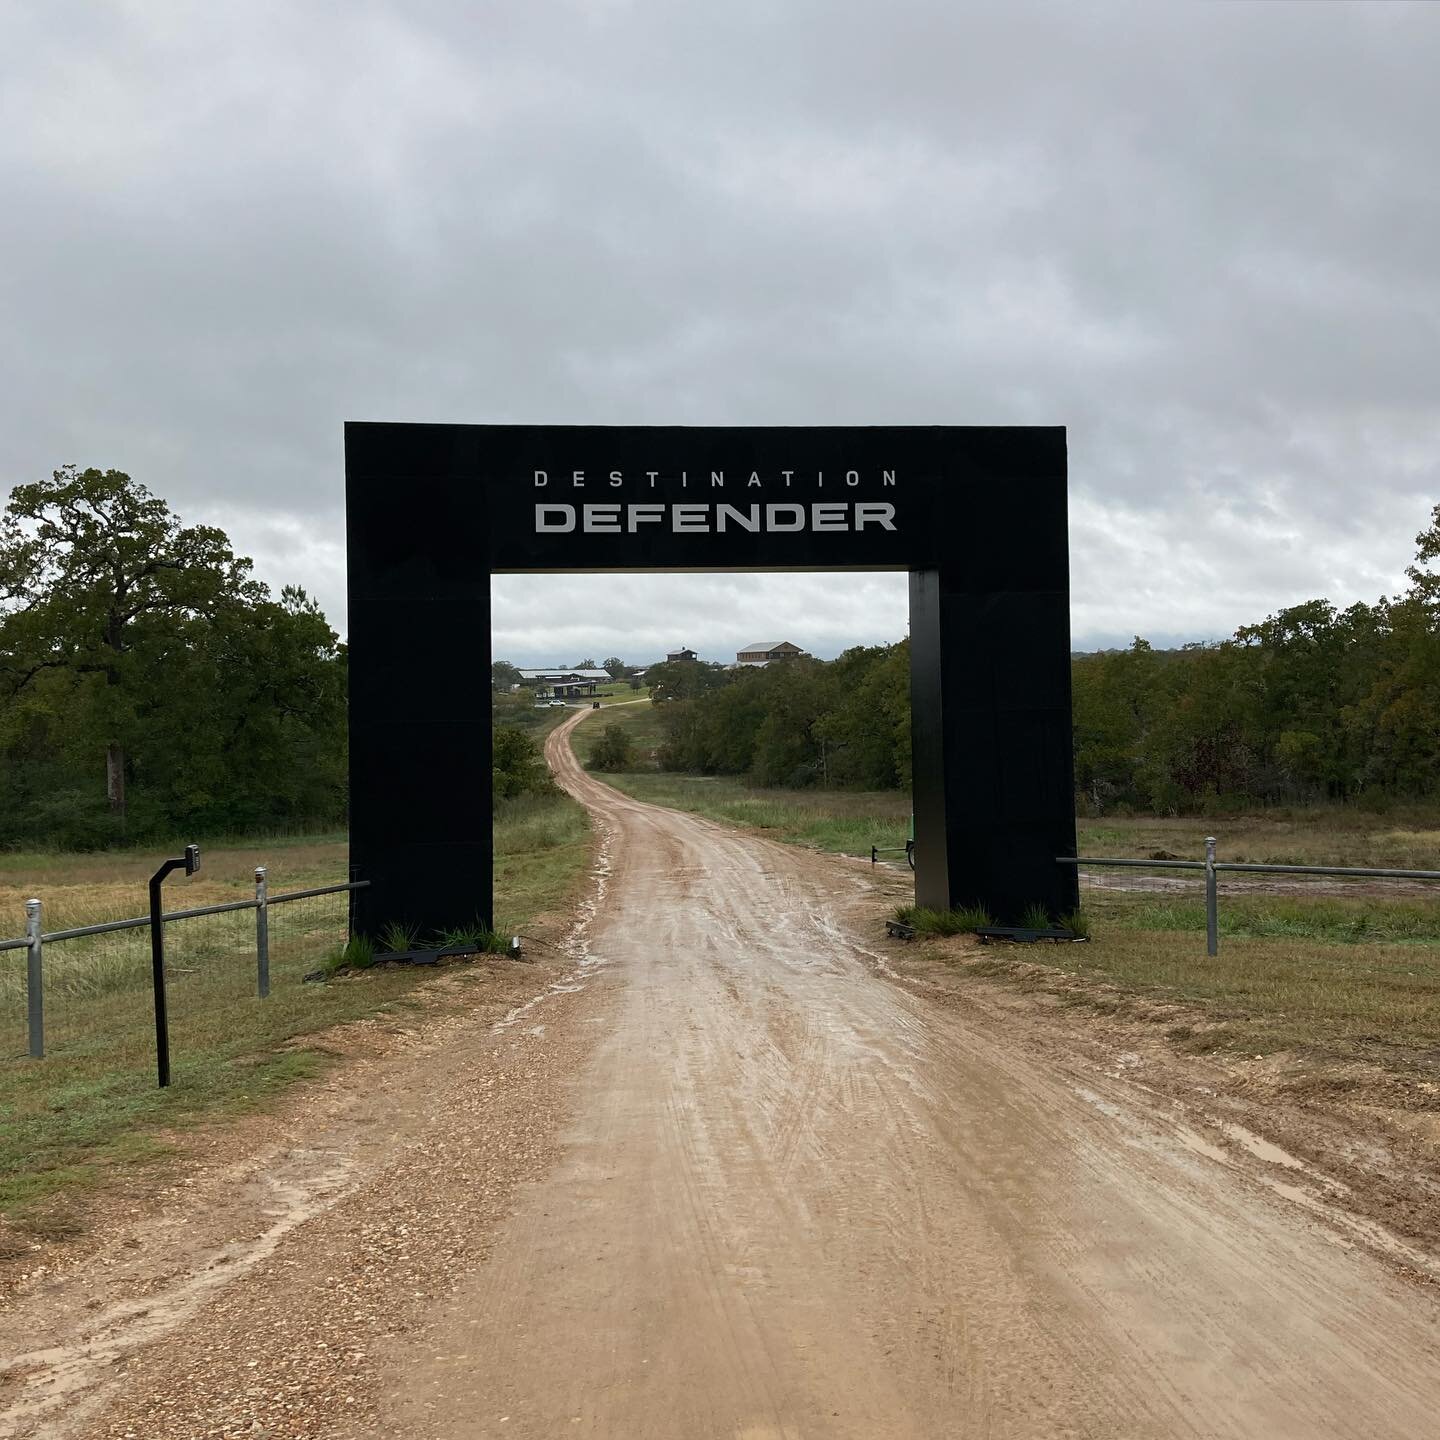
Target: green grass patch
column 618, row 692
column 357, row 953
column 1035, row 917
column 396, row 937
column 541, row 846
column 1319, row 975
column 639, row 723
column 1323, row 918
column 475, row 940
column 1376, row 999
column 966, row 919
column 962, row 921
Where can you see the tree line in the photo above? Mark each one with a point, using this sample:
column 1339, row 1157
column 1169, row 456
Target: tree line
column 1311, row 704
column 841, row 723
column 151, row 686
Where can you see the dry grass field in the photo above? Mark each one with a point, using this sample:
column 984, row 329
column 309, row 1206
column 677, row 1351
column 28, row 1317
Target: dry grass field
column 1378, row 999
column 81, row 889
column 1334, row 967
column 1401, row 838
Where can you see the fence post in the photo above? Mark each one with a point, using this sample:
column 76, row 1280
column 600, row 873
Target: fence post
column 1212, row 902
column 34, row 981
column 262, row 932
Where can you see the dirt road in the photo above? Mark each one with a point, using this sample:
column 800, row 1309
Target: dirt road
column 788, row 1199
column 797, row 1201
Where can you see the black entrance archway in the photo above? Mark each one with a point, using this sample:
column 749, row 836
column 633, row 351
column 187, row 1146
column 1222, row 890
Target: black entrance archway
column 976, row 515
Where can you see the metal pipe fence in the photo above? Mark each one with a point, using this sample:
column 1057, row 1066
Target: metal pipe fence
column 1213, row 868
column 80, row 987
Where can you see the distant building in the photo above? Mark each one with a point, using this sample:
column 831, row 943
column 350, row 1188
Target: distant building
column 561, row 683
column 674, row 655
column 764, row 652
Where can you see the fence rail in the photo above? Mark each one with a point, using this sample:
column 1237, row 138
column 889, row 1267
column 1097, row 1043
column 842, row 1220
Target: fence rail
column 192, row 914
column 37, row 939
column 1213, row 867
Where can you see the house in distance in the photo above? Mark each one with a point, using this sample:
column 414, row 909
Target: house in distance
column 561, row 683
column 673, row 655
column 766, row 652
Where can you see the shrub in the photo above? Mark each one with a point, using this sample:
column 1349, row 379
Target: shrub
column 517, row 766
column 613, row 751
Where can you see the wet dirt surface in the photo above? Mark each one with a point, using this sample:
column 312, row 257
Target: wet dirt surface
column 732, row 1175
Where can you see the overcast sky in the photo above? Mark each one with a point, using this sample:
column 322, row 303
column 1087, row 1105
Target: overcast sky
column 1205, row 238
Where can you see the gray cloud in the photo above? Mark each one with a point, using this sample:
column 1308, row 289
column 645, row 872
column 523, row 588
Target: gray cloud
column 1202, row 237
column 549, row 619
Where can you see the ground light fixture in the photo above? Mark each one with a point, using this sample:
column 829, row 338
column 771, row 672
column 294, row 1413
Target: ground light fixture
column 189, row 862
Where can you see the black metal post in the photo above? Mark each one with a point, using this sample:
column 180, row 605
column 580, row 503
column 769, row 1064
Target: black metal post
column 189, row 862
column 262, row 931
